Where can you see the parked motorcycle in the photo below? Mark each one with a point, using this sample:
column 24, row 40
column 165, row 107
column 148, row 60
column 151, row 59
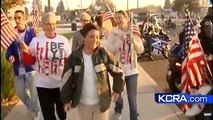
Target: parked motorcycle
column 160, row 45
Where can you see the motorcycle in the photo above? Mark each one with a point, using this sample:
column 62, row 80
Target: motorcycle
column 160, row 45
column 173, row 76
column 170, row 25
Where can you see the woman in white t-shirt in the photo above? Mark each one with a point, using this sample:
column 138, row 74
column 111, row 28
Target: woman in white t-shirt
column 87, row 84
column 48, row 53
column 125, row 46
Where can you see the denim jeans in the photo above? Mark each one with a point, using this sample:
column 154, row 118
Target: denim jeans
column 24, row 82
column 131, row 86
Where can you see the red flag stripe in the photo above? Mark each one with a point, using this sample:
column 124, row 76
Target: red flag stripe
column 4, row 42
column 136, row 30
column 193, row 67
column 12, row 32
column 8, row 34
column 107, row 15
column 5, row 39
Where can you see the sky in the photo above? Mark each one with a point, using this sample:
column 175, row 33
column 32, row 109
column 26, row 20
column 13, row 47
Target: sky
column 75, row 4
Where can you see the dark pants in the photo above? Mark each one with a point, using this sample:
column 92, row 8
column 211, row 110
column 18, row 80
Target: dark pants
column 48, row 98
column 131, row 86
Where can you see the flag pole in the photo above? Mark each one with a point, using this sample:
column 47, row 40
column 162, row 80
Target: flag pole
column 110, row 11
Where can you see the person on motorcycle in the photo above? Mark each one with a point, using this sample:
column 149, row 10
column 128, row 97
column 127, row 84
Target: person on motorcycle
column 149, row 38
column 156, row 25
column 206, row 32
column 144, row 27
column 205, row 36
column 169, row 22
column 174, row 70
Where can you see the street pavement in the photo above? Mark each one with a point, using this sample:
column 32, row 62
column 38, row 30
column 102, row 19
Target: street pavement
column 157, row 69
column 147, row 107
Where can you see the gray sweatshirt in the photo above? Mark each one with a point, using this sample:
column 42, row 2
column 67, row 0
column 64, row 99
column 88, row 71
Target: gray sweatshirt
column 77, row 40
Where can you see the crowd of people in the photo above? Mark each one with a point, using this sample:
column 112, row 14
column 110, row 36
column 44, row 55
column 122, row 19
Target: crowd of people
column 57, row 73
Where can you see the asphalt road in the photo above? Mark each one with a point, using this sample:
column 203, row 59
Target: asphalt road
column 157, row 69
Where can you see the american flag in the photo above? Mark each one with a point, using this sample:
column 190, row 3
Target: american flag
column 194, row 61
column 107, row 23
column 8, row 33
column 36, row 13
column 107, row 15
column 134, row 28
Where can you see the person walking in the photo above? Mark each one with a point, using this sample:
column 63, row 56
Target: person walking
column 48, row 52
column 125, row 46
column 77, row 39
column 86, row 72
column 24, row 74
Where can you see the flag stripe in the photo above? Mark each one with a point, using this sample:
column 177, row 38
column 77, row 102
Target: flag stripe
column 107, row 23
column 192, row 56
column 8, row 34
column 36, row 13
column 107, row 15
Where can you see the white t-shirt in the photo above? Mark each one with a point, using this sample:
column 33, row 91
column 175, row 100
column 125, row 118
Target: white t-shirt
column 89, row 93
column 21, row 68
column 125, row 54
column 49, row 54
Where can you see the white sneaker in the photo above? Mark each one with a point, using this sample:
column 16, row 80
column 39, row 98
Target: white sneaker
column 117, row 116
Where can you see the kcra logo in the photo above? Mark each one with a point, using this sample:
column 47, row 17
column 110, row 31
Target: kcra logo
column 170, row 98
column 182, row 98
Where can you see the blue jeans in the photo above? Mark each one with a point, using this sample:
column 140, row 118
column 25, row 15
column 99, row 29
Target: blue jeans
column 24, row 82
column 131, row 86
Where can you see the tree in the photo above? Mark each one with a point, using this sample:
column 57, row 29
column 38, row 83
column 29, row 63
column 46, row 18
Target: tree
column 100, row 5
column 8, row 4
column 35, row 6
column 60, row 8
column 7, row 79
column 193, row 5
column 46, row 8
column 167, row 4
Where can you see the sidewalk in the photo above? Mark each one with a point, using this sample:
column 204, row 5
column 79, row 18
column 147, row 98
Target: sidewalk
column 147, row 107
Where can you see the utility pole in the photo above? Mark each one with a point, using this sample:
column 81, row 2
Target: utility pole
column 66, row 5
column 137, row 4
column 127, row 4
column 49, row 6
column 81, row 4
